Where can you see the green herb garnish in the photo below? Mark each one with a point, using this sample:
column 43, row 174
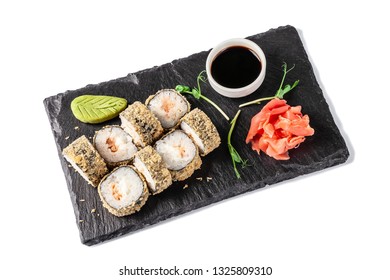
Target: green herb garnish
column 197, row 93
column 280, row 92
column 236, row 158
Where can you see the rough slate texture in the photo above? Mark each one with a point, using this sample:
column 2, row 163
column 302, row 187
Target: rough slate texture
column 325, row 149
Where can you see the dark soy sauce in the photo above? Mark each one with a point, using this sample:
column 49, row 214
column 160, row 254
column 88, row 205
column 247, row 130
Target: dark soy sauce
column 235, row 67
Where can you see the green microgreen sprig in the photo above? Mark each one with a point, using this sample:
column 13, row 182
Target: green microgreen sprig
column 280, row 92
column 236, row 158
column 197, row 93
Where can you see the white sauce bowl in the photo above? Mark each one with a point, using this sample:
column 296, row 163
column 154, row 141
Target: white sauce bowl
column 243, row 91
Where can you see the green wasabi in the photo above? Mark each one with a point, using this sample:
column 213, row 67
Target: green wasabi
column 97, row 108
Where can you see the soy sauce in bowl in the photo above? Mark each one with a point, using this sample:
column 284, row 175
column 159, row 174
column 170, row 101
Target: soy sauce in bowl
column 235, row 67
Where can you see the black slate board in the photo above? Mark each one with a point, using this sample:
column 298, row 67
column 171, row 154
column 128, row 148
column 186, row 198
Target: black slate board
column 325, row 149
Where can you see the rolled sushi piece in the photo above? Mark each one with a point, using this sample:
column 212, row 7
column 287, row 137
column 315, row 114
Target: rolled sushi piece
column 150, row 164
column 179, row 154
column 141, row 124
column 123, row 191
column 86, row 160
column 115, row 145
column 169, row 106
column 202, row 131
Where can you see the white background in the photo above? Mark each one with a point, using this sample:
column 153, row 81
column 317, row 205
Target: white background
column 328, row 225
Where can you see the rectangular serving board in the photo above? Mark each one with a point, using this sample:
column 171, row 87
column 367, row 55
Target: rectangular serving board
column 325, row 149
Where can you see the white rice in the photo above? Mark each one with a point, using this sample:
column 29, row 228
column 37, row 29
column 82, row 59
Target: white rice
column 129, row 128
column 122, row 187
column 176, row 149
column 189, row 131
column 114, row 144
column 168, row 106
column 78, row 169
column 141, row 167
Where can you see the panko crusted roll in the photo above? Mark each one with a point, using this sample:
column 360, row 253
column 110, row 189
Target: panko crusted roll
column 86, row 160
column 141, row 124
column 115, row 145
column 179, row 154
column 123, row 191
column 150, row 164
column 203, row 132
column 169, row 106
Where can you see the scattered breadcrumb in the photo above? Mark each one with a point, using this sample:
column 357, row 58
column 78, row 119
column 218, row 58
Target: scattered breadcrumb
column 76, row 128
column 80, row 221
column 208, row 179
column 199, row 178
column 98, row 214
column 93, row 210
column 67, row 137
column 185, row 186
column 69, row 165
column 82, row 200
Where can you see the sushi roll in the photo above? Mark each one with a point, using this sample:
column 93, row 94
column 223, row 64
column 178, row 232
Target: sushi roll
column 169, row 106
column 202, row 131
column 123, row 191
column 86, row 160
column 141, row 124
column 179, row 153
column 150, row 164
column 115, row 145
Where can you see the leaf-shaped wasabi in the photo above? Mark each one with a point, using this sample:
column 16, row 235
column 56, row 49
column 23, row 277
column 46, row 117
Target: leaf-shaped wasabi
column 97, row 108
